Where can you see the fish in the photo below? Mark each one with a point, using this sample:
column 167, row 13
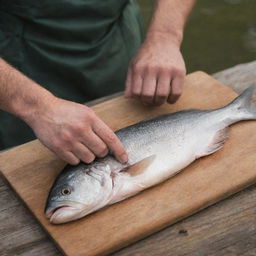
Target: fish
column 158, row 148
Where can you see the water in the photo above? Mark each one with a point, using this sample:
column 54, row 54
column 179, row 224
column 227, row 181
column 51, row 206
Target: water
column 218, row 35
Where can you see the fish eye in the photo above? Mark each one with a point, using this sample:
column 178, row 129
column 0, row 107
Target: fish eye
column 66, row 191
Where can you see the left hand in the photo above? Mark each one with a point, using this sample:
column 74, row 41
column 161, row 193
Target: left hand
column 156, row 73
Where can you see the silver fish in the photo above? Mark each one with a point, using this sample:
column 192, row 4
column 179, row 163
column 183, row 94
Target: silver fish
column 158, row 148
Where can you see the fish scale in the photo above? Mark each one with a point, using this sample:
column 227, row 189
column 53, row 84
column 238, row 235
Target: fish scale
column 158, row 148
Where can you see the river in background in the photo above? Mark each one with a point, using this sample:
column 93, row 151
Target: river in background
column 219, row 33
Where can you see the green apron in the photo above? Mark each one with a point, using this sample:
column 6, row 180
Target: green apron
column 77, row 49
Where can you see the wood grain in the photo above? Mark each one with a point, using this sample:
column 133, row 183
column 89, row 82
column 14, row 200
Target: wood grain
column 238, row 77
column 224, row 229
column 153, row 209
column 21, row 235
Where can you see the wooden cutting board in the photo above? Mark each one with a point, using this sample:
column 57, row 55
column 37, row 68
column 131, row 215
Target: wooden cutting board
column 31, row 169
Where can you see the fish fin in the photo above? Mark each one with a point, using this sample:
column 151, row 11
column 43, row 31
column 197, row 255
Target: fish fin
column 216, row 143
column 245, row 104
column 139, row 167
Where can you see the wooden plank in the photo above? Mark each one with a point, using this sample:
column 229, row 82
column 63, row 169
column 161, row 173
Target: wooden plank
column 224, row 229
column 199, row 80
column 238, row 77
column 21, row 235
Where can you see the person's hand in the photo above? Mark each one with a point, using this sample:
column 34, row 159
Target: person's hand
column 156, row 73
column 75, row 133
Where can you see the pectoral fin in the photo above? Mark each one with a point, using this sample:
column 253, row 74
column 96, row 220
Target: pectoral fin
column 139, row 167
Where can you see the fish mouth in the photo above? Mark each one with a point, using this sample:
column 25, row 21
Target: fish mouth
column 63, row 212
column 51, row 211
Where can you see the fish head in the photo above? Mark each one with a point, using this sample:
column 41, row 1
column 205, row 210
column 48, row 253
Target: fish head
column 78, row 191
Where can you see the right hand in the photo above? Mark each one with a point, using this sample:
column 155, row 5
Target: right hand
column 74, row 132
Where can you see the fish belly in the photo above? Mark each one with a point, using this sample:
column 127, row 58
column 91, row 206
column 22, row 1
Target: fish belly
column 169, row 160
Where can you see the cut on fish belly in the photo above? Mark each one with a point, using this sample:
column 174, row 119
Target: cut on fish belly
column 158, row 148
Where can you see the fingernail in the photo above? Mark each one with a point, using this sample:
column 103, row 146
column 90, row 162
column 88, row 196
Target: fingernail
column 171, row 100
column 124, row 158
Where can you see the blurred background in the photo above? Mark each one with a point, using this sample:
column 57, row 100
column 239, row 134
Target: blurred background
column 219, row 33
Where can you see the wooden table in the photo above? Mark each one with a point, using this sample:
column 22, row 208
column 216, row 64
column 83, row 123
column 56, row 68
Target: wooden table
column 226, row 228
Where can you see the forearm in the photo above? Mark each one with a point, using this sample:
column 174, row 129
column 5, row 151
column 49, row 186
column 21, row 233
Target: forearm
column 20, row 95
column 169, row 18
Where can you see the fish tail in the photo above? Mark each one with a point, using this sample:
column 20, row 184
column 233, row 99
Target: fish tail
column 244, row 106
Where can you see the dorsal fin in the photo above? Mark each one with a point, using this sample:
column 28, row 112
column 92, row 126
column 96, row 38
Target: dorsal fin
column 139, row 167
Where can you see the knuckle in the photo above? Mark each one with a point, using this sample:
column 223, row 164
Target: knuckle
column 89, row 114
column 100, row 130
column 179, row 72
column 102, row 150
column 56, row 144
column 137, row 67
column 78, row 128
column 166, row 69
column 152, row 68
column 110, row 138
column 172, row 68
column 66, row 136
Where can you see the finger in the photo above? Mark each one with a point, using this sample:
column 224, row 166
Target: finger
column 176, row 89
column 111, row 140
column 68, row 157
column 162, row 88
column 136, row 86
column 83, row 153
column 95, row 144
column 149, row 88
column 128, row 84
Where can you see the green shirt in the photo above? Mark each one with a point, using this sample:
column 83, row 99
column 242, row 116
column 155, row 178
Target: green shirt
column 77, row 49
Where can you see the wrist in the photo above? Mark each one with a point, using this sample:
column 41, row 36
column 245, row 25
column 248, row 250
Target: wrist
column 35, row 107
column 165, row 37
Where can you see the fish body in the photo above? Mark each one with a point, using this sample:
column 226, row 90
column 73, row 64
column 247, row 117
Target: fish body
column 158, row 148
